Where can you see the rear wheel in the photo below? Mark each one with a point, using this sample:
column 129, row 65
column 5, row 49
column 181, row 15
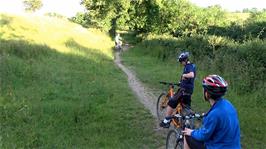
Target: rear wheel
column 173, row 140
column 162, row 103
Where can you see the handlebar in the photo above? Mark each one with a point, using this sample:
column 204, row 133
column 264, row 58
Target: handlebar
column 187, row 117
column 169, row 83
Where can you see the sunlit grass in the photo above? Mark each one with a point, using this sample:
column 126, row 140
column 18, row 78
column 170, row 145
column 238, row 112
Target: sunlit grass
column 59, row 88
column 55, row 33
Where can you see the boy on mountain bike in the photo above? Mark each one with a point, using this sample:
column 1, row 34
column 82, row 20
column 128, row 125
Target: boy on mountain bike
column 220, row 129
column 186, row 88
column 118, row 41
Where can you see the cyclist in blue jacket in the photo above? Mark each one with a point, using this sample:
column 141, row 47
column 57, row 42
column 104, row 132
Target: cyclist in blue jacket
column 220, row 129
column 186, row 88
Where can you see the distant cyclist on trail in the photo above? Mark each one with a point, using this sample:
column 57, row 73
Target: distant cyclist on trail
column 186, row 88
column 220, row 128
column 118, row 41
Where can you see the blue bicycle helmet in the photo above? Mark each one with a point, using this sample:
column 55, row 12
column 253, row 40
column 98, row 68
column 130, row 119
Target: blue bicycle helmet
column 183, row 56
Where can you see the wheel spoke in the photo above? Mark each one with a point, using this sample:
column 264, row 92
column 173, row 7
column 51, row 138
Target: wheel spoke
column 173, row 141
column 161, row 106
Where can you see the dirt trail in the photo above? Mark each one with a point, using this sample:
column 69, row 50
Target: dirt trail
column 144, row 94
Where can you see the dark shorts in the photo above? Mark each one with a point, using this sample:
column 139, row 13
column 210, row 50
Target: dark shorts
column 194, row 144
column 182, row 96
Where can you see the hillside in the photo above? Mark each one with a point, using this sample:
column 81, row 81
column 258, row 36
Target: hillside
column 60, row 89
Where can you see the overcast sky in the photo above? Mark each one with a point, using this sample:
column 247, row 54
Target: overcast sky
column 70, row 7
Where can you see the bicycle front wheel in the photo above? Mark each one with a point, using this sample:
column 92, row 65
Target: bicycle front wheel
column 162, row 103
column 173, row 140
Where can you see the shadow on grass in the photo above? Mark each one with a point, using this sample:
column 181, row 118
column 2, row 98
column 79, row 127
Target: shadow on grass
column 50, row 99
column 44, row 92
column 71, row 43
column 91, row 53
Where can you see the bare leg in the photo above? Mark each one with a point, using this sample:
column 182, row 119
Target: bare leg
column 169, row 111
column 185, row 143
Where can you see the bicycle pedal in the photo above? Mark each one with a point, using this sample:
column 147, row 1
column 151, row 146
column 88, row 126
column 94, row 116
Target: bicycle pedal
column 180, row 137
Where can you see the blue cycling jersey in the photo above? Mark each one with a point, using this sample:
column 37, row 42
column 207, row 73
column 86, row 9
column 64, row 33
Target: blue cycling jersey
column 188, row 84
column 220, row 128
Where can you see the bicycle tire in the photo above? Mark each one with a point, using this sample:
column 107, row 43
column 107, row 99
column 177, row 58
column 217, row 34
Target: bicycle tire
column 173, row 141
column 161, row 110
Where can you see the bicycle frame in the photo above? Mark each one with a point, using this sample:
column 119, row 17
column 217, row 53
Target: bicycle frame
column 177, row 122
column 178, row 135
column 183, row 116
column 170, row 94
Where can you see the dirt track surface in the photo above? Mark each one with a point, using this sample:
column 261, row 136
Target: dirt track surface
column 144, row 94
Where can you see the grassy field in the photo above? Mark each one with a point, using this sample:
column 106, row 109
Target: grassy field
column 59, row 88
column 151, row 70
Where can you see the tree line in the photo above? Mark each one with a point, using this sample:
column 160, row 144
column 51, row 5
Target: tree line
column 174, row 17
column 234, row 46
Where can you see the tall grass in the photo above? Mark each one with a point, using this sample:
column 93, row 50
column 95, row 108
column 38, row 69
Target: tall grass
column 59, row 88
column 243, row 65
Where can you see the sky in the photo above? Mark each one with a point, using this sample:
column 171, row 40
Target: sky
column 69, row 8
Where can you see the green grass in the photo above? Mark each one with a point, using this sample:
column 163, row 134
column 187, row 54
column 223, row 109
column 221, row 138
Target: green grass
column 60, row 89
column 151, row 70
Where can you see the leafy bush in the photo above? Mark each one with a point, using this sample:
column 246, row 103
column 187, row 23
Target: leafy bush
column 243, row 63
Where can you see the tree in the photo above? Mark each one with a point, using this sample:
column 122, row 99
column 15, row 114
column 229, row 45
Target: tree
column 179, row 17
column 32, row 5
column 106, row 13
column 144, row 15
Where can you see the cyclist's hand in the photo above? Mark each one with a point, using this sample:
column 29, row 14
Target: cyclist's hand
column 187, row 131
column 183, row 77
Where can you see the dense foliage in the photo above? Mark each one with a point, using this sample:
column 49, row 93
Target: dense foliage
column 244, row 63
column 209, row 33
column 104, row 13
column 253, row 27
column 175, row 17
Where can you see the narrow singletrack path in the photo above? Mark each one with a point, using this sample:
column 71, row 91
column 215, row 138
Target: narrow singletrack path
column 144, row 94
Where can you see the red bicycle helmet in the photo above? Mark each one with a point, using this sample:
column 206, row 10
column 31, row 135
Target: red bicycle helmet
column 215, row 85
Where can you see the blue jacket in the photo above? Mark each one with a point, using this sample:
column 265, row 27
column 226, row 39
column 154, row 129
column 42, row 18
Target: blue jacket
column 220, row 128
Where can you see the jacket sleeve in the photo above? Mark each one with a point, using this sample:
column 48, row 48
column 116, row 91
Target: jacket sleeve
column 189, row 68
column 205, row 132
